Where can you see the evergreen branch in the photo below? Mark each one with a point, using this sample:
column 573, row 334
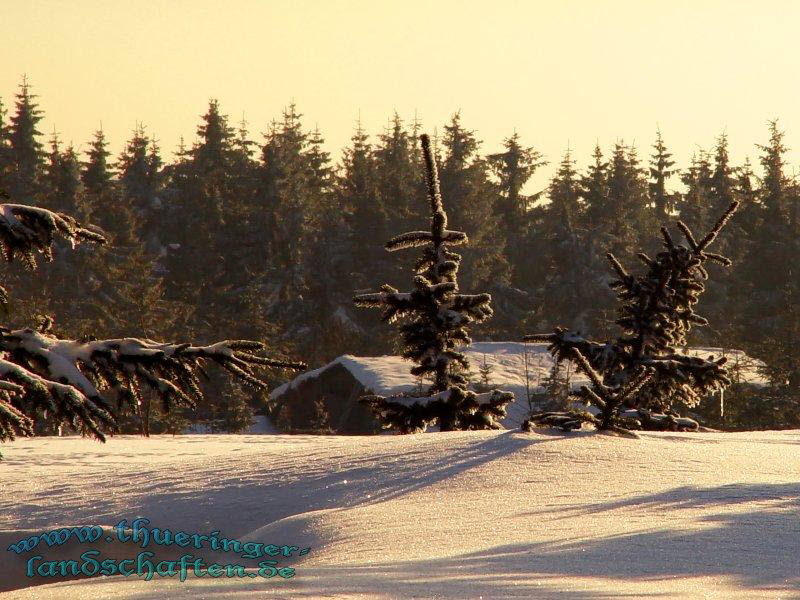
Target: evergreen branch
column 618, row 268
column 634, row 386
column 411, row 239
column 588, row 370
column 726, row 216
column 593, row 396
column 540, row 337
column 25, row 230
column 667, row 238
column 434, row 193
column 645, row 259
column 687, row 233
column 718, row 258
column 170, row 369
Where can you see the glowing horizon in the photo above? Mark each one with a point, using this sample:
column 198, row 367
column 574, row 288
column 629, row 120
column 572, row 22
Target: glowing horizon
column 560, row 74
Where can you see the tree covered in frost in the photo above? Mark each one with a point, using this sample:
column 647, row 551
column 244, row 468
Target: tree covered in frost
column 435, row 317
column 643, row 369
column 62, row 380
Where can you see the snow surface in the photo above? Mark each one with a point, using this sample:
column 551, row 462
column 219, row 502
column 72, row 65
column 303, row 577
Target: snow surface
column 262, row 425
column 480, row 514
column 389, row 375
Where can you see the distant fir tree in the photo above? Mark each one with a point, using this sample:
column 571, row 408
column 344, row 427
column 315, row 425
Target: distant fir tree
column 773, row 242
column 513, row 168
column 723, row 179
column 398, row 173
column 565, row 273
column 436, row 316
column 140, row 175
column 365, row 212
column 63, row 188
column 595, row 193
column 5, row 148
column 370, row 193
column 661, row 170
column 696, row 204
column 595, row 225
column 206, row 228
column 642, row 369
column 97, row 175
column 26, row 152
column 473, row 202
column 103, row 202
column 770, row 277
column 287, row 194
column 628, row 188
column 719, row 191
column 331, row 253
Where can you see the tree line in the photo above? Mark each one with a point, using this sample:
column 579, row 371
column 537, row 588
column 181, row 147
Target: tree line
column 270, row 239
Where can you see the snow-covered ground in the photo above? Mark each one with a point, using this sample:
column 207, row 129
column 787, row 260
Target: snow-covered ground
column 450, row 515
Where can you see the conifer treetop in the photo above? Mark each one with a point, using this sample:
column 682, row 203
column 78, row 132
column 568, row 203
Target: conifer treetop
column 436, row 319
column 643, row 367
column 439, row 313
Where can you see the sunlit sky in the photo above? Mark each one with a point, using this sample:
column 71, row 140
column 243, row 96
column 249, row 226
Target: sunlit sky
column 561, row 73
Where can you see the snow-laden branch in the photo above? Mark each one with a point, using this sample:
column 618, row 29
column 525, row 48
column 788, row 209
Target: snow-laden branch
column 25, row 230
column 414, row 239
column 28, row 230
column 76, row 372
column 410, row 414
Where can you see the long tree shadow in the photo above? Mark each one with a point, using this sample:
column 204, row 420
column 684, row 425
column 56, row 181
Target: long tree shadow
column 237, row 504
column 782, row 495
column 753, row 552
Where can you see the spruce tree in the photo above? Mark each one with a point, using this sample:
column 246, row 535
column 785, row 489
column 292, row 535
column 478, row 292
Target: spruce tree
column 26, row 152
column 435, row 317
column 63, row 189
column 398, row 173
column 513, row 168
column 279, row 218
column 661, row 170
column 472, row 200
column 97, row 174
column 770, row 277
column 595, row 194
column 5, row 148
column 595, row 225
column 696, row 204
column 360, row 199
column 563, row 256
column 643, row 369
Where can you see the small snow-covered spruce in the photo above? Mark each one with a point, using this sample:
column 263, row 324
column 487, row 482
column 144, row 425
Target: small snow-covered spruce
column 41, row 374
column 435, row 317
column 637, row 378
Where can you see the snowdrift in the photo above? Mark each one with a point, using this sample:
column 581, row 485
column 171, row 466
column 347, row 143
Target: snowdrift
column 451, row 515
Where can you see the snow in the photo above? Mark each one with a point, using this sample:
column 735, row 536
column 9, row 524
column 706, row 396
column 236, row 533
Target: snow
column 389, row 375
column 262, row 425
column 451, row 515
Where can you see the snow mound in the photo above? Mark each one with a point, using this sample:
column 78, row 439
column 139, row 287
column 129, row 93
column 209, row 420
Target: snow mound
column 453, row 515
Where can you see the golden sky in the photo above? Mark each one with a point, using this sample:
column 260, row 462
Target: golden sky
column 561, row 72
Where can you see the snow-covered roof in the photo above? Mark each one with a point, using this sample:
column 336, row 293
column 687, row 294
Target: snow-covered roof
column 389, row 375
